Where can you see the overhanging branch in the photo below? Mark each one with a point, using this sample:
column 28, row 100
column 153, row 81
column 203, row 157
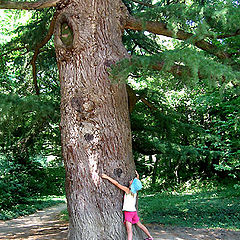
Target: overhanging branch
column 161, row 29
column 28, row 5
column 177, row 70
column 37, row 49
column 237, row 33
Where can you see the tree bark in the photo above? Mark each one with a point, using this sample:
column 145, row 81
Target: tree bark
column 95, row 126
column 28, row 5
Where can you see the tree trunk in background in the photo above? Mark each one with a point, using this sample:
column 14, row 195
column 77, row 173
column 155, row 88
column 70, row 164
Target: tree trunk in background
column 155, row 168
column 95, row 126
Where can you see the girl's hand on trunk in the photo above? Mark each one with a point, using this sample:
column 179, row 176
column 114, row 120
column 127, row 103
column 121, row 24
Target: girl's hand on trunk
column 137, row 174
column 104, row 176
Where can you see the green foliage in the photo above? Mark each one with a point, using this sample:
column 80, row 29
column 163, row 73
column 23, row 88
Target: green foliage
column 207, row 208
column 16, row 55
column 18, row 183
column 193, row 134
column 36, row 28
column 212, row 22
column 64, row 215
column 203, row 20
column 195, row 68
column 222, row 121
column 28, row 129
column 26, row 123
column 54, row 183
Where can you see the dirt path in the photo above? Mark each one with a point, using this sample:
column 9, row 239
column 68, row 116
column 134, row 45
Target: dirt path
column 42, row 225
column 45, row 225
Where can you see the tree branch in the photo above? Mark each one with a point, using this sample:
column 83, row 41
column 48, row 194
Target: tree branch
column 176, row 70
column 161, row 29
column 146, row 102
column 37, row 49
column 133, row 99
column 28, row 5
column 34, row 72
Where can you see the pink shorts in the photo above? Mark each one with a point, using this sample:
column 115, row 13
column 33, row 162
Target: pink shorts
column 131, row 217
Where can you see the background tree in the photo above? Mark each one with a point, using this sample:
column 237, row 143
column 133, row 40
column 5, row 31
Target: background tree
column 94, row 115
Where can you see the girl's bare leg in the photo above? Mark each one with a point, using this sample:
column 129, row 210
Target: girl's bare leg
column 129, row 230
column 144, row 229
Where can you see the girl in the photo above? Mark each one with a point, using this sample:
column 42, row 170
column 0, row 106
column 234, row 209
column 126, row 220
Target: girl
column 129, row 205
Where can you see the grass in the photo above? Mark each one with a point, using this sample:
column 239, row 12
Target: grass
column 30, row 206
column 64, row 215
column 217, row 207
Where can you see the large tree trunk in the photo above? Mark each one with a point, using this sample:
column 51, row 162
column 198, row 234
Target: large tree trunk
column 95, row 126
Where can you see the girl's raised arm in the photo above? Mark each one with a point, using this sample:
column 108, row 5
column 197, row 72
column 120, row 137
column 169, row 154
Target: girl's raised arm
column 116, row 183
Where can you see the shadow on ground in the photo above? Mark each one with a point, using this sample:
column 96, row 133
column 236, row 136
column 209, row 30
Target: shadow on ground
column 182, row 233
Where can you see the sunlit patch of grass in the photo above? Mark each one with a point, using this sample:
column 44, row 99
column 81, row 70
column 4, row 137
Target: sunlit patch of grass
column 208, row 209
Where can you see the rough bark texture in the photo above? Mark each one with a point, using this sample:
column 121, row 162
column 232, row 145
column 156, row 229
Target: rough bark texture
column 27, row 5
column 95, row 126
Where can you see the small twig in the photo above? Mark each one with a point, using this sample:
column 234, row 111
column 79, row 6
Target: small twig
column 229, row 35
column 34, row 72
column 143, row 3
column 146, row 102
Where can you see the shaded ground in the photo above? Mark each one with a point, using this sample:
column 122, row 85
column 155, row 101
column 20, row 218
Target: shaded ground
column 45, row 225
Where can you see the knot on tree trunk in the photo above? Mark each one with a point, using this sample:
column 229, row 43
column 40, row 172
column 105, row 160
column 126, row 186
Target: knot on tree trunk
column 65, row 32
